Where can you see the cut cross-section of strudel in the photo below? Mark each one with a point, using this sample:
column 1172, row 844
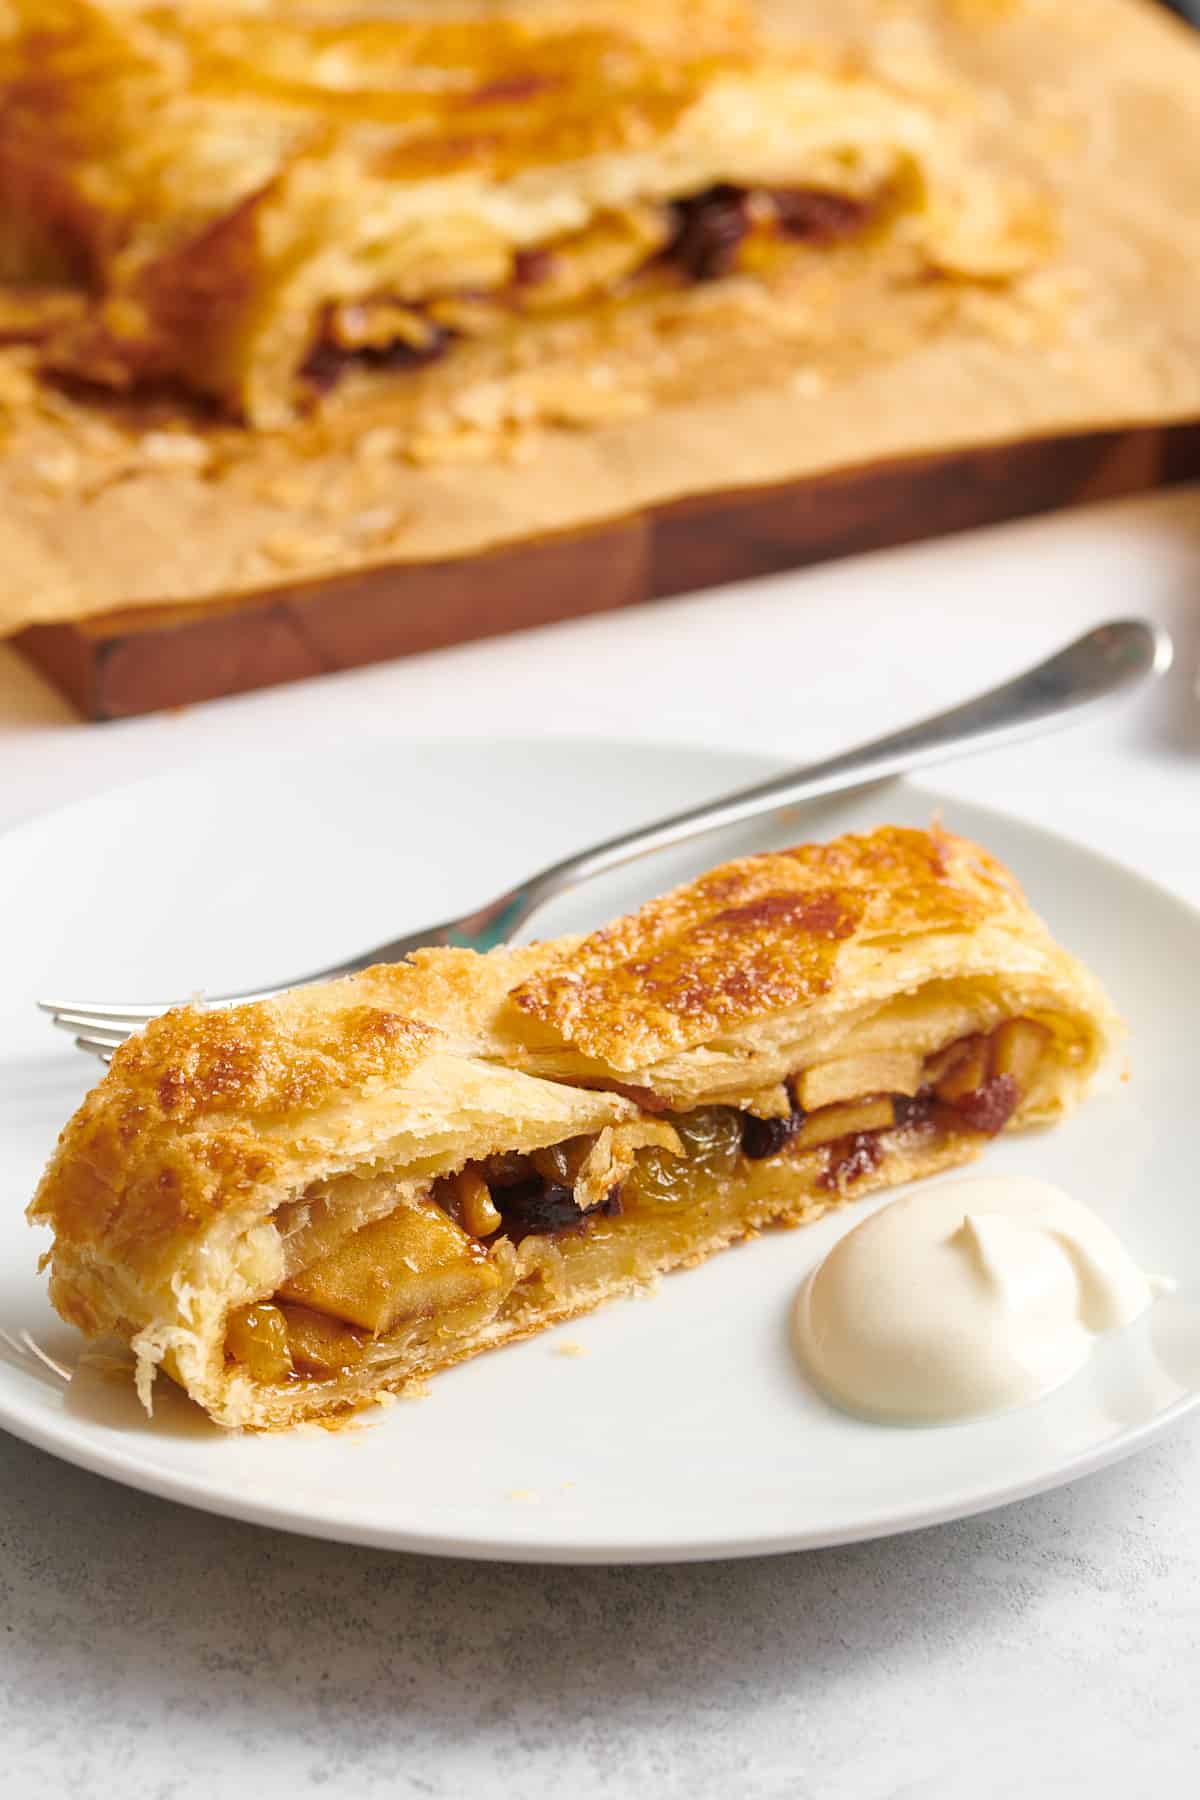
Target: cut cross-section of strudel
column 254, row 202
column 297, row 1205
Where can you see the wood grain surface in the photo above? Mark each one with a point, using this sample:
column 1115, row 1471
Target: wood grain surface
column 133, row 662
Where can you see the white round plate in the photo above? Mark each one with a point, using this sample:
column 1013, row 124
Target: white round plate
column 670, row 1428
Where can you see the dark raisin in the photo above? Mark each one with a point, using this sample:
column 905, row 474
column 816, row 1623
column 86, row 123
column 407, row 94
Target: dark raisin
column 324, row 366
column 547, row 1208
column 850, row 1158
column 914, row 1109
column 709, row 228
column 536, row 1205
column 816, row 215
column 507, row 1168
column 327, row 362
column 767, row 1137
column 531, row 266
column 399, row 355
column 990, row 1107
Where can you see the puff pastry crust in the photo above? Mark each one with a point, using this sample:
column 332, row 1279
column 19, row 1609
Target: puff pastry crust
column 299, row 1205
column 254, row 200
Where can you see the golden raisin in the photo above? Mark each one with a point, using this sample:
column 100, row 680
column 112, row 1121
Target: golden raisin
column 561, row 1163
column 477, row 1211
column 712, row 1142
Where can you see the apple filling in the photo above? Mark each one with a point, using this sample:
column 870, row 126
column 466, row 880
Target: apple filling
column 697, row 238
column 491, row 1240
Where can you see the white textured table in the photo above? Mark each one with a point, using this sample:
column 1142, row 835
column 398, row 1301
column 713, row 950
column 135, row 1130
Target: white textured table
column 1049, row 1649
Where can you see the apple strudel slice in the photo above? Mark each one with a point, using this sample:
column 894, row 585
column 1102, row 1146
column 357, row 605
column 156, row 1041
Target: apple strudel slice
column 297, row 1205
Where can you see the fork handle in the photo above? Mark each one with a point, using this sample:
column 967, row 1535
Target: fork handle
column 1096, row 668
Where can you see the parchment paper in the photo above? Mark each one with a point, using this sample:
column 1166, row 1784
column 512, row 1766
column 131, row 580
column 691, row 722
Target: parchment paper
column 1099, row 99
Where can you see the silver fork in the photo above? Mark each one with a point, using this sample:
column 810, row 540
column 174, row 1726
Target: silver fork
column 1095, row 668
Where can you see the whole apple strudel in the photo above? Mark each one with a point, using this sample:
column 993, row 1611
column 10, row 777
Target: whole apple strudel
column 253, row 203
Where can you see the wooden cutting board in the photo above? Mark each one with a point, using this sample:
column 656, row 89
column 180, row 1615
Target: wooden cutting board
column 139, row 661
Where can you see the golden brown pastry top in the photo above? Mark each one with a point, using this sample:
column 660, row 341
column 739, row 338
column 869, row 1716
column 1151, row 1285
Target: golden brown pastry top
column 214, row 176
column 708, row 993
column 225, row 1114
column 128, row 132
column 760, row 936
column 184, row 1118
column 160, row 116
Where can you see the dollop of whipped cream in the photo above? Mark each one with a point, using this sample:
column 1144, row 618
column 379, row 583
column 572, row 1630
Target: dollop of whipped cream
column 966, row 1298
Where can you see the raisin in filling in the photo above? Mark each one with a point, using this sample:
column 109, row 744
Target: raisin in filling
column 914, row 1109
column 540, row 1206
column 990, row 1107
column 817, row 216
column 850, row 1158
column 709, row 228
column 767, row 1137
column 531, row 266
column 327, row 362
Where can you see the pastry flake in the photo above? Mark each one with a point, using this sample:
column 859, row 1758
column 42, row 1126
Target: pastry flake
column 296, row 1206
column 253, row 202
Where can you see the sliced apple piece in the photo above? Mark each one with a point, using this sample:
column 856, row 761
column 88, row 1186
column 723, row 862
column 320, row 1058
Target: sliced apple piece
column 412, row 1264
column 314, row 1224
column 1017, row 1048
column 320, row 1345
column 965, row 1072
column 257, row 1337
column 849, row 1077
column 842, row 1121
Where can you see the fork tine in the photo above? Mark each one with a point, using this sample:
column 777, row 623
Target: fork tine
column 80, row 1022
column 103, row 1011
column 124, row 1020
column 95, row 1048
